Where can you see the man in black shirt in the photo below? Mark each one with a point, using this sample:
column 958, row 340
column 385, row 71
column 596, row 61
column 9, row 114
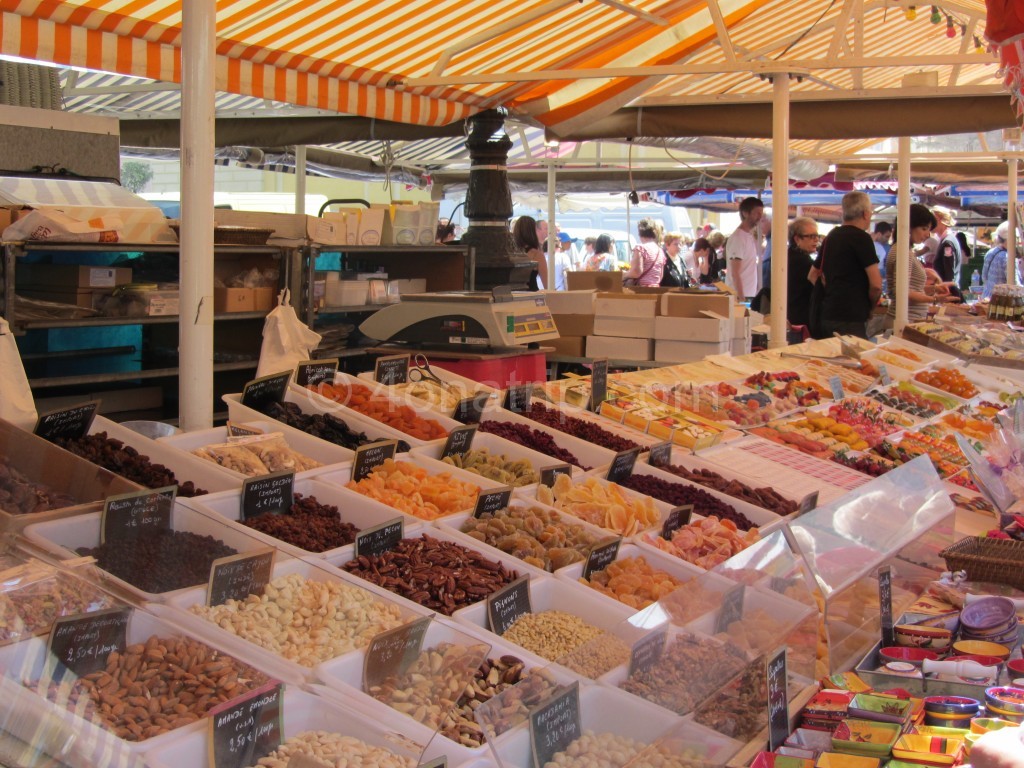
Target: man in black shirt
column 848, row 265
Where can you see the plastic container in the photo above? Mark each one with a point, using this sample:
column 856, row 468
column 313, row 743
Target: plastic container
column 304, row 711
column 177, row 608
column 331, row 457
column 75, row 741
column 63, row 538
column 353, row 508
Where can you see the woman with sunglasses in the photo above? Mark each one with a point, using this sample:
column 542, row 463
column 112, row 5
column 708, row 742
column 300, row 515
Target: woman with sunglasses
column 803, row 241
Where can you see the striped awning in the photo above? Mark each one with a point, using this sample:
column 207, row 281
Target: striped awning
column 561, row 64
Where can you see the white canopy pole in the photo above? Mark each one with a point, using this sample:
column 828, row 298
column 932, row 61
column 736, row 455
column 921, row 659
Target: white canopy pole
column 552, row 236
column 1011, row 211
column 195, row 320
column 300, row 178
column 780, row 210
column 903, row 254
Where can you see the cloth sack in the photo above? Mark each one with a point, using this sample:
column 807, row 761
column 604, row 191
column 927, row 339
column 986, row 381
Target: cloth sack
column 287, row 341
column 16, row 405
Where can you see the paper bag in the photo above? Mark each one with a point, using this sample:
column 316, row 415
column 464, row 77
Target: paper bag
column 287, row 341
column 16, row 405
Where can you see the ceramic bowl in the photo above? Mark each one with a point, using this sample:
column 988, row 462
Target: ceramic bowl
column 916, row 636
column 982, row 647
column 1004, row 635
column 865, row 737
column 915, row 656
column 988, row 613
column 951, row 705
column 1005, row 698
column 985, row 724
column 1016, row 667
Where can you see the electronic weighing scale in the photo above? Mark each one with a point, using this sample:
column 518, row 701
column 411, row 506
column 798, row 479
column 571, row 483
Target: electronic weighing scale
column 460, row 319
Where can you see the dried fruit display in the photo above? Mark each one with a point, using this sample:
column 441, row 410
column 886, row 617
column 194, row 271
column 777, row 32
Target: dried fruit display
column 766, row 498
column 678, row 494
column 411, row 489
column 578, row 427
column 948, row 380
column 383, row 409
column 527, row 436
column 535, row 535
column 21, row 496
column 306, row 524
column 633, row 581
column 706, row 542
column 601, row 503
column 326, row 426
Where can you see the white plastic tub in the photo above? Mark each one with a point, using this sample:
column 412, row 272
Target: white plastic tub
column 303, row 711
column 72, row 739
column 331, row 457
column 353, row 508
column 590, row 456
column 63, row 538
column 459, row 387
column 178, row 606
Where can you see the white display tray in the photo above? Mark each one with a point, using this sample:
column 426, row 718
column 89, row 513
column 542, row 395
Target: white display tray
column 418, row 406
column 62, row 538
column 341, row 476
column 179, row 604
column 302, row 711
column 453, row 525
column 549, row 594
column 311, row 405
column 330, row 456
column 498, row 446
column 338, row 558
column 353, row 508
column 590, row 455
column 204, row 474
column 73, row 740
column 662, row 508
column 462, row 387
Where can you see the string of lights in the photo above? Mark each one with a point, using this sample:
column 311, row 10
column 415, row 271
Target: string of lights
column 953, row 22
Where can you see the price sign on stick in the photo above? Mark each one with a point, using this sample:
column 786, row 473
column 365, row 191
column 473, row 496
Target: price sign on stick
column 660, row 455
column 548, row 475
column 598, row 383
column 489, row 502
column 268, row 494
column 235, row 577
column 393, row 369
column 676, row 519
column 370, row 456
column 622, row 465
column 508, row 604
column 309, row 373
column 778, row 701
column 470, row 410
column 129, row 515
column 379, row 539
column 555, row 724
column 393, row 651
column 72, row 423
column 885, row 605
column 247, row 729
column 731, row 609
column 460, row 439
column 646, row 652
column 517, row 399
column 260, row 393
column 81, row 643
column 601, row 556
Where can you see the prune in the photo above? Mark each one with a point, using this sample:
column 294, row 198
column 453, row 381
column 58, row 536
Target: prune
column 326, row 426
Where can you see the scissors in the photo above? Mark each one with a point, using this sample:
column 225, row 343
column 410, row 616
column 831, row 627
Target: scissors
column 422, row 371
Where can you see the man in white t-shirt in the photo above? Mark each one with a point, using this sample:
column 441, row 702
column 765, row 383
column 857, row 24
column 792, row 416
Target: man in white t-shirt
column 743, row 249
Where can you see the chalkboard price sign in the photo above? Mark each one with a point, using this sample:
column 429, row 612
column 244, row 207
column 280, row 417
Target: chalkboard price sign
column 237, row 576
column 374, row 541
column 548, row 475
column 598, row 383
column 517, row 399
column 601, row 556
column 309, row 373
column 392, row 652
column 437, row 762
column 81, row 643
column 676, row 519
column 660, row 455
column 261, row 392
column 393, row 369
column 247, row 729
column 731, row 609
column 885, row 605
column 778, row 703
column 807, row 503
column 271, row 494
column 372, row 455
column 459, row 440
column 242, row 430
column 490, row 502
column 129, row 514
column 646, row 652
column 470, row 410
column 72, row 423
column 622, row 465
column 508, row 604
column 555, row 724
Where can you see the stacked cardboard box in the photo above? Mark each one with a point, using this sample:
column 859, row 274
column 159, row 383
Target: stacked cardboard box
column 623, row 326
column 69, row 283
column 692, row 326
column 573, row 313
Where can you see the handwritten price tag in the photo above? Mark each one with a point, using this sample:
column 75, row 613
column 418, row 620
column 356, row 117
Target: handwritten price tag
column 269, row 494
column 247, row 729
column 72, row 423
column 129, row 515
column 81, row 643
column 370, row 456
column 778, row 701
column 392, row 652
column 555, row 725
column 309, row 373
column 237, row 576
column 508, row 604
column 260, row 393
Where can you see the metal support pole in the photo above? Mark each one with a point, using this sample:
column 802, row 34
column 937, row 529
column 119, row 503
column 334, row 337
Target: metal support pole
column 903, row 254
column 780, row 211
column 195, row 324
column 552, row 234
column 1011, row 213
column 300, row 178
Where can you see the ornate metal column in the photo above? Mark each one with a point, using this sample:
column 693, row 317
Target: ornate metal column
column 489, row 205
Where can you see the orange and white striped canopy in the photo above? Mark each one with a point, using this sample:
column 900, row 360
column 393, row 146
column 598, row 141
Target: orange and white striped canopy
column 558, row 63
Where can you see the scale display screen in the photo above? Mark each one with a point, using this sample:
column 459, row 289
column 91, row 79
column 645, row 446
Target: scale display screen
column 537, row 324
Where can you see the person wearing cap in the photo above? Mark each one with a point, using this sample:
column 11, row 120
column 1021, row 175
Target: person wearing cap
column 947, row 255
column 993, row 270
column 563, row 260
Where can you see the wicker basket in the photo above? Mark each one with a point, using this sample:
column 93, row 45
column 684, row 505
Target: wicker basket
column 234, row 235
column 984, row 559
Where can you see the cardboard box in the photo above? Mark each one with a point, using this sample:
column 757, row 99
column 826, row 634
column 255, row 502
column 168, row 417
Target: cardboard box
column 571, row 346
column 741, row 323
column 610, row 282
column 625, row 305
column 574, row 325
column 618, row 348
column 693, row 304
column 70, row 276
column 156, row 303
column 265, row 299
column 708, row 328
column 85, row 297
column 740, row 347
column 289, row 228
column 626, row 327
column 570, row 302
column 234, row 300
column 687, row 351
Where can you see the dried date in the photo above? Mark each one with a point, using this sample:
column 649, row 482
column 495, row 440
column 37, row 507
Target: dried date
column 326, row 426
column 21, row 496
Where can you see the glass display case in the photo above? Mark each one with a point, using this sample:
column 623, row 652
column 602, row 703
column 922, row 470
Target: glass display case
column 902, row 519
